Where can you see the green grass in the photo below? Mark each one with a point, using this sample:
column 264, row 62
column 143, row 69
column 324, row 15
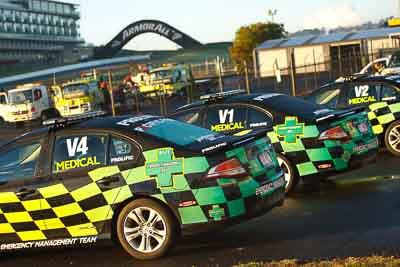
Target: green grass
column 377, row 261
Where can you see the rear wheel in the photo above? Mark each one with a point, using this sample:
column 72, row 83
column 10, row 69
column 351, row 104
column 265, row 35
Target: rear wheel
column 291, row 177
column 392, row 138
column 146, row 230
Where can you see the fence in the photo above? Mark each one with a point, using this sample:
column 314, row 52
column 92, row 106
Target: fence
column 219, row 75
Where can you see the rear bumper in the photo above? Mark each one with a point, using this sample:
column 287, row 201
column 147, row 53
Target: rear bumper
column 356, row 160
column 258, row 207
column 359, row 161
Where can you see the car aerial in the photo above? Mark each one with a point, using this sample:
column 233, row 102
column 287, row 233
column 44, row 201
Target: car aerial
column 310, row 140
column 379, row 95
column 141, row 180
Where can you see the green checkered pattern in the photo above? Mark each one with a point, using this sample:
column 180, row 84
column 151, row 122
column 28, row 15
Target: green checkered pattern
column 307, row 153
column 382, row 114
column 62, row 212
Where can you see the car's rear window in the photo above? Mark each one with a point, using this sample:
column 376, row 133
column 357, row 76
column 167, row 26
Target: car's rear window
column 175, row 132
column 293, row 106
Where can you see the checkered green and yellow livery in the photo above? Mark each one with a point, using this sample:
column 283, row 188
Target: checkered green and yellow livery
column 300, row 142
column 382, row 114
column 69, row 211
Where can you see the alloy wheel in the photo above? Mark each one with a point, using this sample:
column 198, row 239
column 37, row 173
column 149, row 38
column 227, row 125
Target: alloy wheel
column 145, row 229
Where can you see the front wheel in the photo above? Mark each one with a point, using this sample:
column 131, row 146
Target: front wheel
column 290, row 175
column 392, row 138
column 146, row 230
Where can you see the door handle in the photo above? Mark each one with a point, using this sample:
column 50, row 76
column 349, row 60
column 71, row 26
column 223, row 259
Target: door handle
column 109, row 180
column 23, row 193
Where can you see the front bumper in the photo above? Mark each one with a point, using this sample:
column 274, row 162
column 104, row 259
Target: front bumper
column 256, row 206
column 23, row 117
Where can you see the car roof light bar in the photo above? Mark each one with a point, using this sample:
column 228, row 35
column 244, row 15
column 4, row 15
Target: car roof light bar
column 74, row 119
column 222, row 95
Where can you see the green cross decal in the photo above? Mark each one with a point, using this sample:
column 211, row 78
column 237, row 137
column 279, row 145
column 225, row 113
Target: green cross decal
column 217, row 213
column 165, row 167
column 290, row 130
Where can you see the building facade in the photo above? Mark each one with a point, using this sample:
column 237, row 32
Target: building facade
column 38, row 31
column 342, row 52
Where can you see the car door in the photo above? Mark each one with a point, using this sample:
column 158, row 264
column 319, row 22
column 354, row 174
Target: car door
column 76, row 196
column 360, row 93
column 22, row 175
column 258, row 118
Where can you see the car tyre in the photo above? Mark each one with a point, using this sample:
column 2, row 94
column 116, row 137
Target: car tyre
column 392, row 138
column 290, row 175
column 146, row 230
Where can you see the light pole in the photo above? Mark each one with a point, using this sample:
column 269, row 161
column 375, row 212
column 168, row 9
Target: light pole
column 272, row 13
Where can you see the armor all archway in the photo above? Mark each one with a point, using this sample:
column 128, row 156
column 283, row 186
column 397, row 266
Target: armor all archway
column 141, row 27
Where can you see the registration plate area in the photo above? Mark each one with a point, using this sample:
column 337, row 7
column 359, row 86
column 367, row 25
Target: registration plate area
column 363, row 127
column 365, row 148
column 270, row 187
column 265, row 159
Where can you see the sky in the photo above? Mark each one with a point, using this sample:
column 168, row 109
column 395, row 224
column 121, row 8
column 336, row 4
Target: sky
column 217, row 20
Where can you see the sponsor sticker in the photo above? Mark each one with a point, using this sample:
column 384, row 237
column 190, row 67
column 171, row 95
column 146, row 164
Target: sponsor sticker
column 270, row 187
column 50, row 243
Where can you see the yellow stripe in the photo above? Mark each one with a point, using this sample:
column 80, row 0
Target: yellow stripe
column 6, row 228
column 52, row 224
column 68, row 210
column 377, row 129
column 32, row 205
column 111, row 195
column 242, row 133
column 53, row 191
column 371, row 115
column 86, row 192
column 31, row 235
column 8, row 197
column 18, row 217
column 99, row 214
column 82, row 230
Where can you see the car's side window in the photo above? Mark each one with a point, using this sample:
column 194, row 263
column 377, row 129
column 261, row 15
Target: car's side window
column 362, row 93
column 3, row 99
column 258, row 119
column 328, row 97
column 389, row 93
column 226, row 118
column 122, row 150
column 19, row 162
column 79, row 152
column 192, row 117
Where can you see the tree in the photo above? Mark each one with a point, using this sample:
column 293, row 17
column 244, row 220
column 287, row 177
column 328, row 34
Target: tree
column 250, row 36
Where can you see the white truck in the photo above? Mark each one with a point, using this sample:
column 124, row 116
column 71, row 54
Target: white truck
column 25, row 103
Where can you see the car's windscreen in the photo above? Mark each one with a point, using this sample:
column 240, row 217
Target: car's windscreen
column 160, row 75
column 175, row 132
column 76, row 90
column 21, row 97
column 394, row 61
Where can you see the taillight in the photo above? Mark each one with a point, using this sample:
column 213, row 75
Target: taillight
column 228, row 169
column 33, row 109
column 336, row 133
